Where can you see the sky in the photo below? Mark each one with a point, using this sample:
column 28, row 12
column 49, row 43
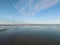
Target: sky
column 29, row 11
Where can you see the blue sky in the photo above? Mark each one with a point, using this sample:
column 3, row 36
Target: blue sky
column 30, row 11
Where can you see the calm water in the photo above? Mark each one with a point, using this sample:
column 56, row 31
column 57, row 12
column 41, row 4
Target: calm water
column 29, row 35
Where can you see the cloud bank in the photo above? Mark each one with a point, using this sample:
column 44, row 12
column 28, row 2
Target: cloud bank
column 6, row 22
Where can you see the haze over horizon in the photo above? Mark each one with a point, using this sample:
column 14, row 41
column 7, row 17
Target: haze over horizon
column 29, row 11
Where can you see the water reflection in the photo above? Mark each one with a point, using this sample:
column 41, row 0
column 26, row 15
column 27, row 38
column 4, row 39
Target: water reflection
column 30, row 35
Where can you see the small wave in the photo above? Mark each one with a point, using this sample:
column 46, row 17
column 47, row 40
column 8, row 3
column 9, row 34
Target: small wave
column 3, row 29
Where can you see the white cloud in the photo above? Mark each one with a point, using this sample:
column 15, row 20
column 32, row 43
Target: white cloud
column 6, row 22
column 44, row 22
column 43, row 4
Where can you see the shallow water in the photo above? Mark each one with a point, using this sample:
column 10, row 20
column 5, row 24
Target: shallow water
column 30, row 35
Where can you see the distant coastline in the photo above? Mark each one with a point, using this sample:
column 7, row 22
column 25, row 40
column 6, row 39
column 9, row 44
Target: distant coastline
column 29, row 24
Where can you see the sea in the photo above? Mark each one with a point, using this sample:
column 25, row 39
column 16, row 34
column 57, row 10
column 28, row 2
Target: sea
column 29, row 35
